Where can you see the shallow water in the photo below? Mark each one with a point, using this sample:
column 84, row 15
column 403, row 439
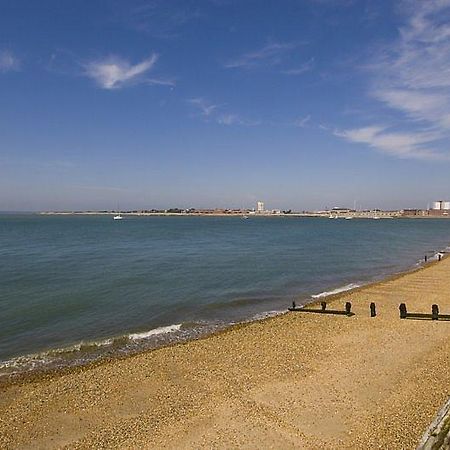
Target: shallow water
column 75, row 288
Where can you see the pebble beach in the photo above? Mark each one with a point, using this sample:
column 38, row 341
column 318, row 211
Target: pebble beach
column 298, row 380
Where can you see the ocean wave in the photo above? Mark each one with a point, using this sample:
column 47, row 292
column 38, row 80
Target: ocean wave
column 338, row 290
column 55, row 352
column 267, row 314
column 155, row 332
column 441, row 253
column 81, row 352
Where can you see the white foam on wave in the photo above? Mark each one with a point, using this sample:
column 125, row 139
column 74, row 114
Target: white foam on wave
column 441, row 253
column 155, row 332
column 338, row 290
column 39, row 360
column 267, row 314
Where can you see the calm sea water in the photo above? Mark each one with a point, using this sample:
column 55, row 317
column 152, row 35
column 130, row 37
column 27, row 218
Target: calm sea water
column 79, row 288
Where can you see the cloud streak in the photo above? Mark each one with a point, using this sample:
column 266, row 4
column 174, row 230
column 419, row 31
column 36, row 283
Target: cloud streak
column 235, row 119
column 411, row 78
column 206, row 108
column 214, row 113
column 305, row 67
column 8, row 62
column 302, row 122
column 115, row 73
column 269, row 55
column 402, row 145
column 158, row 18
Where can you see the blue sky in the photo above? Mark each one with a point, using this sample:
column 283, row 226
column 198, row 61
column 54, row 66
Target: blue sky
column 152, row 103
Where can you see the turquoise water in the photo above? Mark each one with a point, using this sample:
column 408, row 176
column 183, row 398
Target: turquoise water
column 77, row 288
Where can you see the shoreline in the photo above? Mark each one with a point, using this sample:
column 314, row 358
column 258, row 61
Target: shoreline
column 294, row 380
column 314, row 300
column 311, row 215
column 44, row 371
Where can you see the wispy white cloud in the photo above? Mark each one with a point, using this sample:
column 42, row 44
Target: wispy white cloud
column 215, row 113
column 114, row 72
column 404, row 145
column 412, row 78
column 303, row 68
column 270, row 55
column 158, row 18
column 206, row 108
column 8, row 61
column 301, row 122
column 235, row 119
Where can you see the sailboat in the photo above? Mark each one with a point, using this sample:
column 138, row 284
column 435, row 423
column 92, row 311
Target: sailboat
column 118, row 216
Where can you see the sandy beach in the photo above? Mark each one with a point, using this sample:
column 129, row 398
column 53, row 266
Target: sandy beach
column 294, row 381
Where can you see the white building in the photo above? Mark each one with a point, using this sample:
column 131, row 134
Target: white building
column 260, row 207
column 440, row 205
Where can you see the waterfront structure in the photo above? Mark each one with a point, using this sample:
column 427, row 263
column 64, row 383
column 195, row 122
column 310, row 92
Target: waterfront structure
column 440, row 205
column 414, row 212
column 440, row 208
column 346, row 213
column 260, row 207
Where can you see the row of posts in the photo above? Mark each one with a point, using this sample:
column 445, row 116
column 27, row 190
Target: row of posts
column 373, row 311
column 434, row 313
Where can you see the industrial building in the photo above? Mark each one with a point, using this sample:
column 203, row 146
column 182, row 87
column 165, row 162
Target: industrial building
column 440, row 208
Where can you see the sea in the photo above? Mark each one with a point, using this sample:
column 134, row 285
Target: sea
column 76, row 289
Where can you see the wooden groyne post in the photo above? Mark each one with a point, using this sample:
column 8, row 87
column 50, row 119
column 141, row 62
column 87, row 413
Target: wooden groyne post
column 403, row 311
column 348, row 308
column 323, row 309
column 435, row 315
column 373, row 310
column 434, row 312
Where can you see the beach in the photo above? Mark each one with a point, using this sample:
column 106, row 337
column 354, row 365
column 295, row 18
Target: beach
column 297, row 380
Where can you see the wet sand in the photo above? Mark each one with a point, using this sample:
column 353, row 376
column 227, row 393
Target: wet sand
column 294, row 381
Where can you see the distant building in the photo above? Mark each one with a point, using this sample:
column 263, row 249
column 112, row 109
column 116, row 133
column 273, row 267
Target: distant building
column 413, row 212
column 441, row 205
column 339, row 210
column 260, row 207
column 440, row 208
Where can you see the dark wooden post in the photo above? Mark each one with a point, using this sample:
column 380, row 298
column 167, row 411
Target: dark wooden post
column 373, row 311
column 434, row 312
column 426, row 258
column 440, row 256
column 323, row 305
column 348, row 308
column 293, row 304
column 403, row 312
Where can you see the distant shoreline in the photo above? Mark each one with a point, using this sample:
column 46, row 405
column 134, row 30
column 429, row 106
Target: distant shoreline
column 388, row 215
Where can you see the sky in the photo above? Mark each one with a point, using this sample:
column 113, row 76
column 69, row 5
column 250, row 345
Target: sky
column 304, row 104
